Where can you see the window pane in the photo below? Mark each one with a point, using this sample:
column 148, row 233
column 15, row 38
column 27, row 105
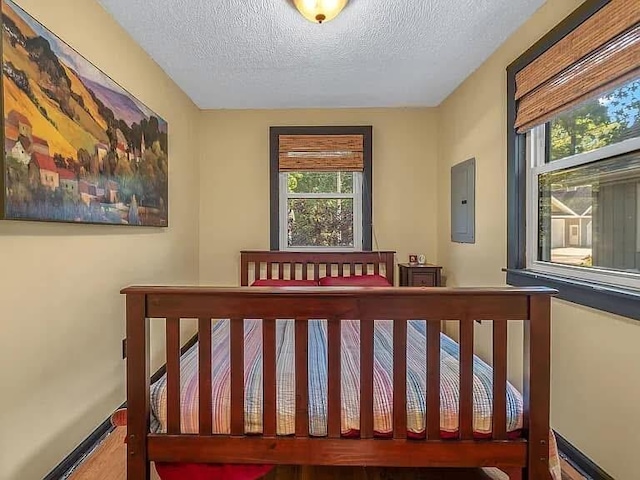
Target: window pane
column 320, row 182
column 612, row 118
column 590, row 215
column 320, row 222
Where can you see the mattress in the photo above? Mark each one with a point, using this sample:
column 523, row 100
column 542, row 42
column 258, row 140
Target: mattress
column 350, row 394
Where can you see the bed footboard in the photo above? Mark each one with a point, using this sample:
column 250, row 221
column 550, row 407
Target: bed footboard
column 529, row 455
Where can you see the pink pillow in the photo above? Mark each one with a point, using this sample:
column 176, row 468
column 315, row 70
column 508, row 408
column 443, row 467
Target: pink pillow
column 275, row 282
column 356, row 281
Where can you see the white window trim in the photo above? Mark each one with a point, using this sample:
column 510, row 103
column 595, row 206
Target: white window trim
column 638, row 221
column 535, row 166
column 284, row 197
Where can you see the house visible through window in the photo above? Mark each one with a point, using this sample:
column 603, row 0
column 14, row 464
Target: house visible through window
column 321, row 188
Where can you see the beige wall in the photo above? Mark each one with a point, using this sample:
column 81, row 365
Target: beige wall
column 596, row 361
column 234, row 181
column 62, row 319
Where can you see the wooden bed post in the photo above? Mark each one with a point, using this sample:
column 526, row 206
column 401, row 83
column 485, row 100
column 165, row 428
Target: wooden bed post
column 390, row 266
column 244, row 270
column 138, row 401
column 537, row 391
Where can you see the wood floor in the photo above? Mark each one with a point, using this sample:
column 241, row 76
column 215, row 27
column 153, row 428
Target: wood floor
column 107, row 462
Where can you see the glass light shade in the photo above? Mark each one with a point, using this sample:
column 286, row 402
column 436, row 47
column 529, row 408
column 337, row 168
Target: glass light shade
column 320, row 11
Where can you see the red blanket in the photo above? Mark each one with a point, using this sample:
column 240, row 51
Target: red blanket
column 191, row 471
column 197, row 471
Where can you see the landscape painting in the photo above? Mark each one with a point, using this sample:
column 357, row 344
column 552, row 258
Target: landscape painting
column 77, row 146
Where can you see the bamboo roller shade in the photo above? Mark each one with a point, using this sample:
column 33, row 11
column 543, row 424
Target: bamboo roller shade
column 603, row 52
column 321, row 153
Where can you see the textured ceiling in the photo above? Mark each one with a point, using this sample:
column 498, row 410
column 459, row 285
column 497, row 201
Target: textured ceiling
column 264, row 54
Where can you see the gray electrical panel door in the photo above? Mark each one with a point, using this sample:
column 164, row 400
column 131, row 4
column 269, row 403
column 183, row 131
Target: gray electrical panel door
column 463, row 202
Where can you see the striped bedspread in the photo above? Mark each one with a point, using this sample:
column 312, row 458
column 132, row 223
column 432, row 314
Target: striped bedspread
column 383, row 382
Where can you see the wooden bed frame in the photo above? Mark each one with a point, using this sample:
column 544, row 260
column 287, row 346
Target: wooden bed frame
column 313, row 265
column 527, row 457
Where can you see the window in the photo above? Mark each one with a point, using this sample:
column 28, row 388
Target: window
column 321, row 188
column 584, row 180
column 574, row 159
column 322, row 209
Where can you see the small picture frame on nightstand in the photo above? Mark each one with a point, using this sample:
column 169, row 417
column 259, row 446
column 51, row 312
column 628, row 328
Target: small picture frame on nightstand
column 413, row 259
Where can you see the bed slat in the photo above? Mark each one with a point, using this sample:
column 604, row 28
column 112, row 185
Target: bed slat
column 204, row 377
column 466, row 379
column 269, row 376
column 399, row 379
column 173, row 375
column 237, row 376
column 367, row 326
column 499, row 428
column 302, row 374
column 433, row 380
column 305, row 270
column 352, row 269
column 334, row 378
column 316, row 271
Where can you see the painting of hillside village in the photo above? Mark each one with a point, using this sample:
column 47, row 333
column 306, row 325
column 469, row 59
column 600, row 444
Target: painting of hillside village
column 77, row 146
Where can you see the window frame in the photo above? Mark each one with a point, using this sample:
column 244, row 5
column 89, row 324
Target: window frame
column 594, row 293
column 363, row 215
column 355, row 196
column 537, row 163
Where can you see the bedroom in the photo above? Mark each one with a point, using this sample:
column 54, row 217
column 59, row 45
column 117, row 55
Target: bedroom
column 63, row 317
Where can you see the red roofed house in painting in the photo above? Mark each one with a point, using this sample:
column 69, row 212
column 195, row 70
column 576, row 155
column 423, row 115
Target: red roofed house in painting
column 21, row 122
column 68, row 181
column 43, row 169
column 40, row 145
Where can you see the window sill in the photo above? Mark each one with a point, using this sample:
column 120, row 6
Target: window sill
column 617, row 300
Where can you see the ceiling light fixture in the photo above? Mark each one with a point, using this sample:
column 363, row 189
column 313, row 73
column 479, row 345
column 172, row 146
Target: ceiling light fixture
column 320, row 11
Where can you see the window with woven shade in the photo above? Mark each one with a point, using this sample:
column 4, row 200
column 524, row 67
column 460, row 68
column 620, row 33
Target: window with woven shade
column 576, row 118
column 321, row 188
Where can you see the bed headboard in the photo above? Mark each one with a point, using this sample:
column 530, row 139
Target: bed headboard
column 313, row 265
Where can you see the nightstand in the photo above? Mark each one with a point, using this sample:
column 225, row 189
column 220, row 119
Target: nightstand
column 420, row 275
